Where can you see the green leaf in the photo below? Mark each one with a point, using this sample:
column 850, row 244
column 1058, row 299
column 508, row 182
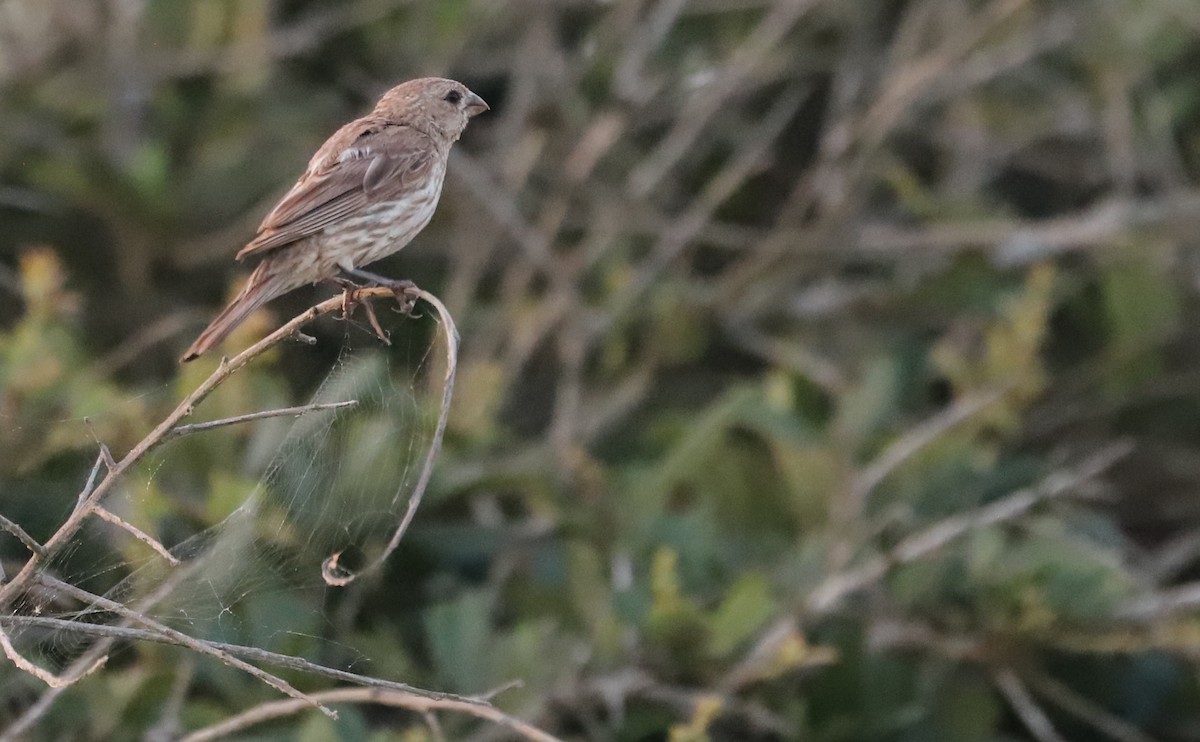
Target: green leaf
column 748, row 605
column 458, row 633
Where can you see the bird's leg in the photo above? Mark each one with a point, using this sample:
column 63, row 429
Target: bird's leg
column 404, row 290
column 350, row 301
column 375, row 324
column 349, row 294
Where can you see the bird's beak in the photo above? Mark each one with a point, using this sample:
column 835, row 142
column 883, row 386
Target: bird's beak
column 476, row 105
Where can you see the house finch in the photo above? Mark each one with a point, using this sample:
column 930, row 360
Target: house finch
column 367, row 191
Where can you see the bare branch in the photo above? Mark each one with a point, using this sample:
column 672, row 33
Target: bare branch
column 127, row 633
column 29, row 541
column 1085, row 710
column 330, row 570
column 95, row 489
column 237, row 419
column 23, row 723
column 837, row 586
column 49, row 678
column 139, row 534
column 1032, row 715
column 183, row 639
column 916, row 439
column 92, row 495
column 397, row 699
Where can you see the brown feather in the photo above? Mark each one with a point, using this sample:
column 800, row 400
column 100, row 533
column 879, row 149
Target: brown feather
column 362, row 164
column 259, row 289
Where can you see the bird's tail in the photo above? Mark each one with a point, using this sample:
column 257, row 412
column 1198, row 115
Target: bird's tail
column 260, row 288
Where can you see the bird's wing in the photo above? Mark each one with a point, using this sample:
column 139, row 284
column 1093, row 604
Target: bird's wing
column 364, row 163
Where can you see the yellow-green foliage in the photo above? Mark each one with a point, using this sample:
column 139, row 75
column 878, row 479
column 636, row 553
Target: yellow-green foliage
column 787, row 329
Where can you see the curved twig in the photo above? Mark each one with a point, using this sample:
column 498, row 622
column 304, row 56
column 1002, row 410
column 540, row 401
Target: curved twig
column 331, row 572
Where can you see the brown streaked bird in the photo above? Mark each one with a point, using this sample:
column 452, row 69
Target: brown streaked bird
column 366, row 193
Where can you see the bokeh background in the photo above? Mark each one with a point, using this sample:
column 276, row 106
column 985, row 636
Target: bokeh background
column 830, row 369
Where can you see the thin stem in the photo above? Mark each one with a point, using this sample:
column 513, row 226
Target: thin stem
column 21, row 535
column 330, row 571
column 399, row 699
column 66, row 532
column 183, row 430
column 289, row 662
column 183, row 639
column 47, row 677
column 107, row 515
column 1022, row 702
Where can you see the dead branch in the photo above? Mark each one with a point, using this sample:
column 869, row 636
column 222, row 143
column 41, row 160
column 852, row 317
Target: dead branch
column 330, row 571
column 184, row 640
column 107, row 515
column 829, row 594
column 92, row 495
column 124, row 632
column 88, row 503
column 183, row 430
column 47, row 677
column 396, row 699
column 29, row 541
column 1026, row 708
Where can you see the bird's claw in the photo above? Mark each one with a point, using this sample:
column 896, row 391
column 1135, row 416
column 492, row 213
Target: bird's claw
column 379, row 333
column 351, row 301
column 406, row 294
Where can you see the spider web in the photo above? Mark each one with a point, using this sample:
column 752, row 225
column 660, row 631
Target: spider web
column 330, row 483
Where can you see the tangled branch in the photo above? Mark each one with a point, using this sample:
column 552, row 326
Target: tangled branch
column 33, row 573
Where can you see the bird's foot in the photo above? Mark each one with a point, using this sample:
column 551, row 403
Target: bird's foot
column 350, row 298
column 403, row 290
column 351, row 301
column 406, row 297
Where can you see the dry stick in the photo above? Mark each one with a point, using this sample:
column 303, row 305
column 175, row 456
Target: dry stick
column 183, row 639
column 707, row 100
column 290, row 662
column 105, row 514
column 691, row 223
column 918, row 438
column 90, row 497
column 329, row 568
column 91, row 494
column 227, row 368
column 1159, row 605
column 103, row 458
column 836, row 587
column 398, row 699
column 98, row 652
column 182, row 430
column 1032, row 715
column 29, row 541
column 47, row 677
column 1086, row 710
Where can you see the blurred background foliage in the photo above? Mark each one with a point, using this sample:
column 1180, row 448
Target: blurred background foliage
column 830, row 369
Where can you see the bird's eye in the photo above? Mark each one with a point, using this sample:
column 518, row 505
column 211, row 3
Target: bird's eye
column 453, row 97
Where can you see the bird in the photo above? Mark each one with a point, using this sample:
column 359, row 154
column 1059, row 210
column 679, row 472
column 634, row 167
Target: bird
column 368, row 190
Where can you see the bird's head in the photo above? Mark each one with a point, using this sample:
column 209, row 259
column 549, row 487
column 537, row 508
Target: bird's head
column 434, row 105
